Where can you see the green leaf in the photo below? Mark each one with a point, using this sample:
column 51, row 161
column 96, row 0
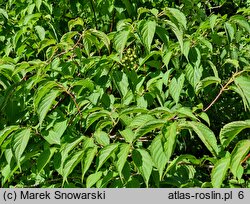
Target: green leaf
column 6, row 132
column 185, row 111
column 38, row 4
column 177, row 17
column 20, row 140
column 170, row 135
column 206, row 135
column 102, row 36
column 230, row 31
column 93, row 178
column 241, row 21
column 178, row 33
column 40, row 32
column 148, row 127
column 102, row 138
column 147, row 31
column 45, row 104
column 175, row 87
column 44, row 158
column 241, row 149
column 219, row 171
column 72, row 23
column 105, row 153
column 64, row 152
column 95, row 116
column 42, row 91
column 243, row 84
column 55, row 134
column 88, row 159
column 120, row 41
column 230, row 130
column 122, row 156
column 71, row 163
column 158, row 155
column 128, row 135
column 143, row 162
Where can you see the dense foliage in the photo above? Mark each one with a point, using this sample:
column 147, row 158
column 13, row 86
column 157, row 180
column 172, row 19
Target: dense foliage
column 123, row 93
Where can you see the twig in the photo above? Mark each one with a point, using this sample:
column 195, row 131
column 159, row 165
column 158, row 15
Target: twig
column 224, row 88
column 247, row 157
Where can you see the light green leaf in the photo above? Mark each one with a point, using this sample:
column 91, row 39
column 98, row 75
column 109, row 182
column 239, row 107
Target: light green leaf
column 102, row 138
column 212, row 21
column 144, row 163
column 55, row 134
column 71, row 163
column 177, row 17
column 243, row 84
column 128, row 135
column 219, row 171
column 185, row 111
column 120, row 40
column 44, row 158
column 241, row 149
column 170, row 135
column 93, row 178
column 72, row 23
column 158, row 155
column 122, row 156
column 38, row 4
column 175, row 87
column 230, row 130
column 88, row 159
column 230, row 31
column 105, row 153
column 147, row 31
column 20, row 139
column 40, row 32
column 140, row 120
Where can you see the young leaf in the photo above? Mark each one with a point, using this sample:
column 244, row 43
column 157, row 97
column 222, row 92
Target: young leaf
column 143, row 162
column 241, row 149
column 105, row 153
column 122, row 157
column 230, row 130
column 20, row 139
column 220, row 170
